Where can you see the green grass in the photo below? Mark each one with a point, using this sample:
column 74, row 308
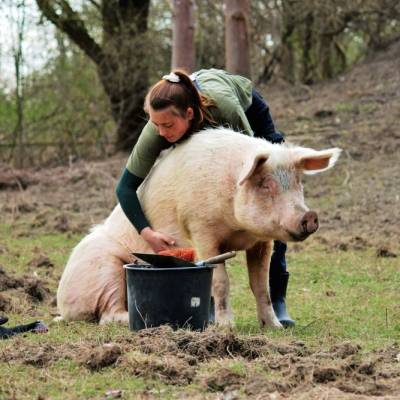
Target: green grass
column 333, row 295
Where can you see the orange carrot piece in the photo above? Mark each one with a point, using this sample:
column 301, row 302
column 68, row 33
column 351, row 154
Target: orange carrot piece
column 185, row 253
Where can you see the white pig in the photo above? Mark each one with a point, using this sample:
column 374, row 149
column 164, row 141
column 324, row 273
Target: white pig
column 217, row 191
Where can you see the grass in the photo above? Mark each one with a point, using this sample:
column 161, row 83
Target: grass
column 333, row 295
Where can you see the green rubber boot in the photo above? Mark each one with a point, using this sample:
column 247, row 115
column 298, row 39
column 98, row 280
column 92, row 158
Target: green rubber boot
column 278, row 286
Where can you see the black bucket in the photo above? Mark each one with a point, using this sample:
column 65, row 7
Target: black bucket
column 179, row 297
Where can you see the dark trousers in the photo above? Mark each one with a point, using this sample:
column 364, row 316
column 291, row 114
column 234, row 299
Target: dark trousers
column 261, row 123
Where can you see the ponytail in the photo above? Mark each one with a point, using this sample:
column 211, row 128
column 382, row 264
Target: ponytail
column 177, row 89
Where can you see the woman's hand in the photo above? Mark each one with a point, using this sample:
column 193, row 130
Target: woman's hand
column 158, row 241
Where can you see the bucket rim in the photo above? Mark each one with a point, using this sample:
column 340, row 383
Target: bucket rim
column 149, row 267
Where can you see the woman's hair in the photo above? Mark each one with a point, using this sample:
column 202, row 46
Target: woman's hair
column 178, row 90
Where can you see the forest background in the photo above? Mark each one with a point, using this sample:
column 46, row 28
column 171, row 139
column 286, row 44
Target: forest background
column 74, row 73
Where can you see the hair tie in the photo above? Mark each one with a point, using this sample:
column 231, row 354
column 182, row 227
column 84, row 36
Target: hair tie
column 171, row 77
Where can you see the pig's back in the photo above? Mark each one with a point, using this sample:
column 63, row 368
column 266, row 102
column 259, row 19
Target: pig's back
column 219, row 151
column 197, row 175
column 209, row 154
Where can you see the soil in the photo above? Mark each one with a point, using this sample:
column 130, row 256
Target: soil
column 359, row 206
column 289, row 371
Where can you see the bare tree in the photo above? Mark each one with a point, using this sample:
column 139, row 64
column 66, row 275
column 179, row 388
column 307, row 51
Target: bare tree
column 17, row 52
column 183, row 54
column 120, row 58
column 237, row 50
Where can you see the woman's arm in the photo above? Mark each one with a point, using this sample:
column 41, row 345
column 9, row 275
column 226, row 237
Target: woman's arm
column 128, row 199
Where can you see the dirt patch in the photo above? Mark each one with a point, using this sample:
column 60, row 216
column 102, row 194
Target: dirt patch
column 326, row 374
column 100, row 357
column 8, row 282
column 345, row 349
column 18, row 288
column 224, row 379
column 41, row 358
column 36, row 289
column 41, row 261
column 170, row 369
column 5, row 303
column 385, row 252
column 276, row 370
column 258, row 386
column 210, row 344
column 14, row 179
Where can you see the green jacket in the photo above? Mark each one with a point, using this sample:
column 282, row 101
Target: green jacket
column 232, row 95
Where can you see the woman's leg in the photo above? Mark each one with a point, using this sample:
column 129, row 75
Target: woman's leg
column 278, row 281
column 260, row 120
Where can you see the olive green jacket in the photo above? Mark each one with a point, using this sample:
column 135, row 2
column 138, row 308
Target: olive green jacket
column 232, row 95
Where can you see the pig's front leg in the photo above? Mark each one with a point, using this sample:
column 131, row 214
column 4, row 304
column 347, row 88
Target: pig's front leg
column 220, row 291
column 258, row 261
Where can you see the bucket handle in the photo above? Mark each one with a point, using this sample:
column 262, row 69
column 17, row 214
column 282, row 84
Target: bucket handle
column 216, row 259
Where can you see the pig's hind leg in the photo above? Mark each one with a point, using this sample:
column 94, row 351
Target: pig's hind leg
column 258, row 262
column 112, row 306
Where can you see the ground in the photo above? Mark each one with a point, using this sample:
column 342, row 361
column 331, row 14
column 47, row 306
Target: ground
column 334, row 353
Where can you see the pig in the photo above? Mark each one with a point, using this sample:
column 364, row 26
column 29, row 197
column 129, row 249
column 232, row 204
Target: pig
column 216, row 191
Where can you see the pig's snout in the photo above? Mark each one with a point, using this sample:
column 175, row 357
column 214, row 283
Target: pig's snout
column 309, row 223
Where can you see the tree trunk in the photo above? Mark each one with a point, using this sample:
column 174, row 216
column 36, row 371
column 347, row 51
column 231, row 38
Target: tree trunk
column 325, row 58
column 121, row 59
column 19, row 89
column 308, row 46
column 237, row 48
column 287, row 56
column 183, row 53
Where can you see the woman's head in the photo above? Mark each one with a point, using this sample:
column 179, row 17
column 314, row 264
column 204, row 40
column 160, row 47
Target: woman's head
column 175, row 106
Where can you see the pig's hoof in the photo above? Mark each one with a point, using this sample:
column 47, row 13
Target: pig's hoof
column 225, row 320
column 121, row 317
column 274, row 324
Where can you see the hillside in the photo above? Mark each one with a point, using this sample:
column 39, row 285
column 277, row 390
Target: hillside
column 358, row 202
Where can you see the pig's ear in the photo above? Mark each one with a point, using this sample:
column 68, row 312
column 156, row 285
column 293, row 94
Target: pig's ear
column 312, row 161
column 251, row 166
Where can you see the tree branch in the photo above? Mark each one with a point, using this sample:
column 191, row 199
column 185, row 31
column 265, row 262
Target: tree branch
column 60, row 13
column 97, row 5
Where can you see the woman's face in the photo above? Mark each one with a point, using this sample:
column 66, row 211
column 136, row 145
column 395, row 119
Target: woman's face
column 170, row 124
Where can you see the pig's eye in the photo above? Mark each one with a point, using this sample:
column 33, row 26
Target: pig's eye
column 267, row 183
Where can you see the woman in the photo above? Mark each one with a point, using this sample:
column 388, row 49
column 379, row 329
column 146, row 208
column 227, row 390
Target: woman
column 179, row 105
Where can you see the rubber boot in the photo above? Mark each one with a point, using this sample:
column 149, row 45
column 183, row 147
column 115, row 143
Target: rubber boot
column 278, row 285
